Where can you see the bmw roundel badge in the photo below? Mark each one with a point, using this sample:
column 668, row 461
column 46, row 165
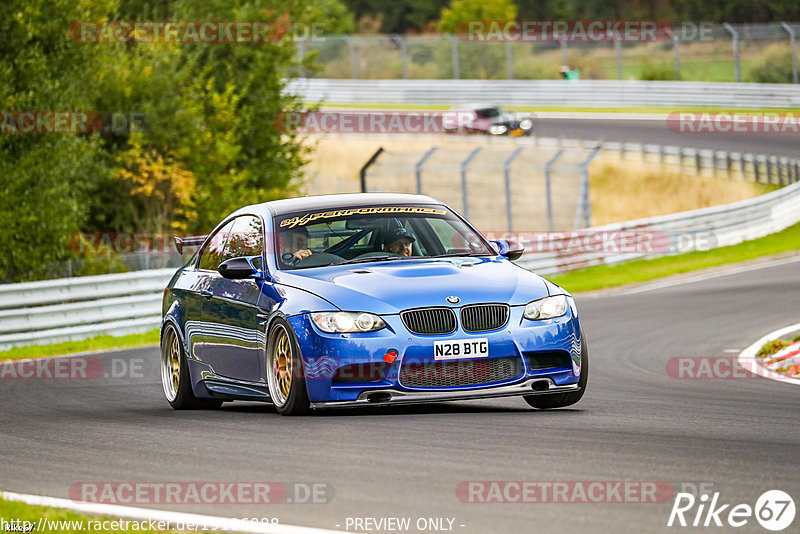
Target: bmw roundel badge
column 453, row 300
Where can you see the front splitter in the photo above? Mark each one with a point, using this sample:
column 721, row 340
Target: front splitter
column 385, row 397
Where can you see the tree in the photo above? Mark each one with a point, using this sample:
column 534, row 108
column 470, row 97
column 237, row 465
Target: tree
column 45, row 176
column 398, row 16
column 160, row 188
column 210, row 107
column 461, row 11
column 207, row 142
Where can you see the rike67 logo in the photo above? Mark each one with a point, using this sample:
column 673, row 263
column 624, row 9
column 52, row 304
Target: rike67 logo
column 774, row 510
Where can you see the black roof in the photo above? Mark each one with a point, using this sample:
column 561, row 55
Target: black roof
column 326, row 202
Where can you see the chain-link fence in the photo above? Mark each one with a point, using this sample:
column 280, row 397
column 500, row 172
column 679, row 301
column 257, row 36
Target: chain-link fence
column 544, row 184
column 685, row 51
column 495, row 187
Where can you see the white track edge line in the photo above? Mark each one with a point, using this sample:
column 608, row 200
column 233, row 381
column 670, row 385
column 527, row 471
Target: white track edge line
column 747, row 358
column 130, row 512
column 708, row 276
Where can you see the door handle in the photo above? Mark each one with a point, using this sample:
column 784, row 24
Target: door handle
column 207, row 293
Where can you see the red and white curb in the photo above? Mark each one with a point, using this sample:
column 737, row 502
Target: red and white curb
column 205, row 522
column 786, row 360
column 747, row 358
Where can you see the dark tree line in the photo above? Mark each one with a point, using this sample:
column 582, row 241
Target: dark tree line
column 410, row 16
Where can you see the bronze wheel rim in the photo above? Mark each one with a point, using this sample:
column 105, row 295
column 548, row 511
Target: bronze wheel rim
column 170, row 363
column 281, row 365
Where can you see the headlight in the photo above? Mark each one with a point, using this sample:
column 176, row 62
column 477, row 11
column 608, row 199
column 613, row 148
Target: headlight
column 546, row 308
column 498, row 129
column 342, row 322
column 526, row 124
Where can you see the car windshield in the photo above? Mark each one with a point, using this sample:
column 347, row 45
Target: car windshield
column 373, row 233
column 489, row 113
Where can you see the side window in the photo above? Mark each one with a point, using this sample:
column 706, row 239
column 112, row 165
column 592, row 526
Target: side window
column 211, row 254
column 247, row 238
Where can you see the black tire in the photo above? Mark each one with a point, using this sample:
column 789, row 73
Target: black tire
column 285, row 378
column 176, row 382
column 561, row 400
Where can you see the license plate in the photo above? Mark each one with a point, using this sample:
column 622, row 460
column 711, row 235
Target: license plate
column 516, row 132
column 461, row 348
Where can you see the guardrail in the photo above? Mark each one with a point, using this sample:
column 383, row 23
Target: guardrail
column 582, row 93
column 67, row 309
column 717, row 226
column 76, row 308
column 759, row 168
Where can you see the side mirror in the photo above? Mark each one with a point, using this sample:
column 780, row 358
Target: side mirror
column 504, row 249
column 239, row 269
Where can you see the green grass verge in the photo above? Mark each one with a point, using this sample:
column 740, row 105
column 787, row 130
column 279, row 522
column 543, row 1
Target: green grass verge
column 603, row 276
column 151, row 337
column 693, row 71
column 17, row 511
column 568, row 109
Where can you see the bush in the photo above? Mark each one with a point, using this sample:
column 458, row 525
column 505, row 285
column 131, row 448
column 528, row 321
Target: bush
column 98, row 264
column 774, row 65
column 656, row 71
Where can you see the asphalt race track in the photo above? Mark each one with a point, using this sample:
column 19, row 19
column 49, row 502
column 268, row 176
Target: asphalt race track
column 657, row 132
column 635, row 424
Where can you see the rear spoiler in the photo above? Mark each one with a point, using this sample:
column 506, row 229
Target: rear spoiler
column 189, row 241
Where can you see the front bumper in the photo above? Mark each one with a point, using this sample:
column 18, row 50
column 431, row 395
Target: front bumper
column 325, row 355
column 383, row 397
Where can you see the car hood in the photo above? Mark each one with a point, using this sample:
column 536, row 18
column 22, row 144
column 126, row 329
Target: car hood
column 393, row 286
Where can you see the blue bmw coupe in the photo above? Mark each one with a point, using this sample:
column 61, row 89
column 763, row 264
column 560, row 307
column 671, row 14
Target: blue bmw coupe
column 365, row 299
